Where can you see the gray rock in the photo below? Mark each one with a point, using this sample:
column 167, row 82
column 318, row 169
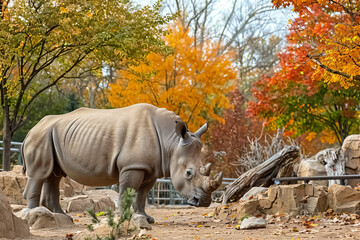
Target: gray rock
column 253, row 222
column 80, row 204
column 96, row 200
column 41, row 217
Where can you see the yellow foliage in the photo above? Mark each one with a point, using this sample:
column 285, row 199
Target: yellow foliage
column 310, row 136
column 192, row 82
column 327, row 137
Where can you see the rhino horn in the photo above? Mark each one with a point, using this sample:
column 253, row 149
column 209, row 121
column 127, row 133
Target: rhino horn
column 205, row 170
column 201, row 130
column 216, row 182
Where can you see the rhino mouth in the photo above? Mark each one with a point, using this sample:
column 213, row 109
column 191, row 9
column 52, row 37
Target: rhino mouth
column 194, row 201
column 200, row 201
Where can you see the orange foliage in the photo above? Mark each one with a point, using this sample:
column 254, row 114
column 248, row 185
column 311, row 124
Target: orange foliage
column 332, row 40
column 192, row 82
column 296, row 96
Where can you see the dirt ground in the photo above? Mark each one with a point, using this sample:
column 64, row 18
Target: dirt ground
column 198, row 223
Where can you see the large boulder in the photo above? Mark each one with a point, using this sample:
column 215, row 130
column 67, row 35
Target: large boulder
column 311, row 167
column 98, row 201
column 12, row 184
column 10, row 225
column 344, row 199
column 351, row 149
column 41, row 217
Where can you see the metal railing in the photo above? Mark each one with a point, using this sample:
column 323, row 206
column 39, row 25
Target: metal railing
column 164, row 193
column 15, row 147
column 342, row 178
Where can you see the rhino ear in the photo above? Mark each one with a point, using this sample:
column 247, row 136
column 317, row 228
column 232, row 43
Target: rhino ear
column 181, row 129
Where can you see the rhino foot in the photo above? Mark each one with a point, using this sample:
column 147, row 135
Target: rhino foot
column 144, row 215
column 150, row 219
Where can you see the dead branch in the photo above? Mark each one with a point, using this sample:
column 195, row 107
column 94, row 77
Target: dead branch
column 261, row 174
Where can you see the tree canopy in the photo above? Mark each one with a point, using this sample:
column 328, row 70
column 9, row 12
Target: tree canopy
column 331, row 37
column 302, row 95
column 192, row 82
column 42, row 42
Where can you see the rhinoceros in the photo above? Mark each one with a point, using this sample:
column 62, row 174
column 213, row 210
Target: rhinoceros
column 132, row 146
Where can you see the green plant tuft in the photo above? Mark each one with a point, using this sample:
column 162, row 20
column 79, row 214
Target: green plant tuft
column 116, row 226
column 245, row 216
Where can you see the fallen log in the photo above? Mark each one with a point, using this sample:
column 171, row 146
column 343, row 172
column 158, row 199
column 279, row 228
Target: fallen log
column 261, row 174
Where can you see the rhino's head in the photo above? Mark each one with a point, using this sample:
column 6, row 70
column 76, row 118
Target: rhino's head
column 190, row 178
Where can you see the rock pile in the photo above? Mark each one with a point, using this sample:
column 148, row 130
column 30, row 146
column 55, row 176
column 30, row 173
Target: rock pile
column 12, row 184
column 10, row 225
column 297, row 199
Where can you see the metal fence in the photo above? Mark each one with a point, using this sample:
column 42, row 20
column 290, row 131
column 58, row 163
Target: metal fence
column 16, row 148
column 164, row 193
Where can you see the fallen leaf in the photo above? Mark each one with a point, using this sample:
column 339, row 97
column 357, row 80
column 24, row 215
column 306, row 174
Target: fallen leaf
column 314, row 225
column 196, row 237
column 237, row 227
column 295, row 229
column 329, row 210
column 79, row 215
column 199, row 226
column 69, row 236
column 251, row 197
column 211, row 214
column 228, row 226
column 166, row 218
column 76, row 220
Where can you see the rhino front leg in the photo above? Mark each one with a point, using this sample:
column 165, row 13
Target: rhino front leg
column 135, row 179
column 140, row 200
column 32, row 192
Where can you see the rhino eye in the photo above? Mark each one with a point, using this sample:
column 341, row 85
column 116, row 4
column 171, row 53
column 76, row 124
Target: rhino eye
column 189, row 173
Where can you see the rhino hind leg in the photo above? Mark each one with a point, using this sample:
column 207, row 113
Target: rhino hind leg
column 135, row 179
column 51, row 193
column 32, row 192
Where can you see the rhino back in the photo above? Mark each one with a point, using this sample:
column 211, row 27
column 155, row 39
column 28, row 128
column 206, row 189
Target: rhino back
column 93, row 145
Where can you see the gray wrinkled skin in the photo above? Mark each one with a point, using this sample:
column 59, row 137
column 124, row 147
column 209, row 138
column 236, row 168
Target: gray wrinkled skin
column 132, row 146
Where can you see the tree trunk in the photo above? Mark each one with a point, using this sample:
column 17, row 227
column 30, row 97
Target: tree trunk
column 260, row 175
column 333, row 161
column 6, row 143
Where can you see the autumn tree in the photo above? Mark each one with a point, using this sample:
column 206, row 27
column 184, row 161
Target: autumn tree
column 192, row 82
column 300, row 96
column 42, row 42
column 229, row 140
column 333, row 42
